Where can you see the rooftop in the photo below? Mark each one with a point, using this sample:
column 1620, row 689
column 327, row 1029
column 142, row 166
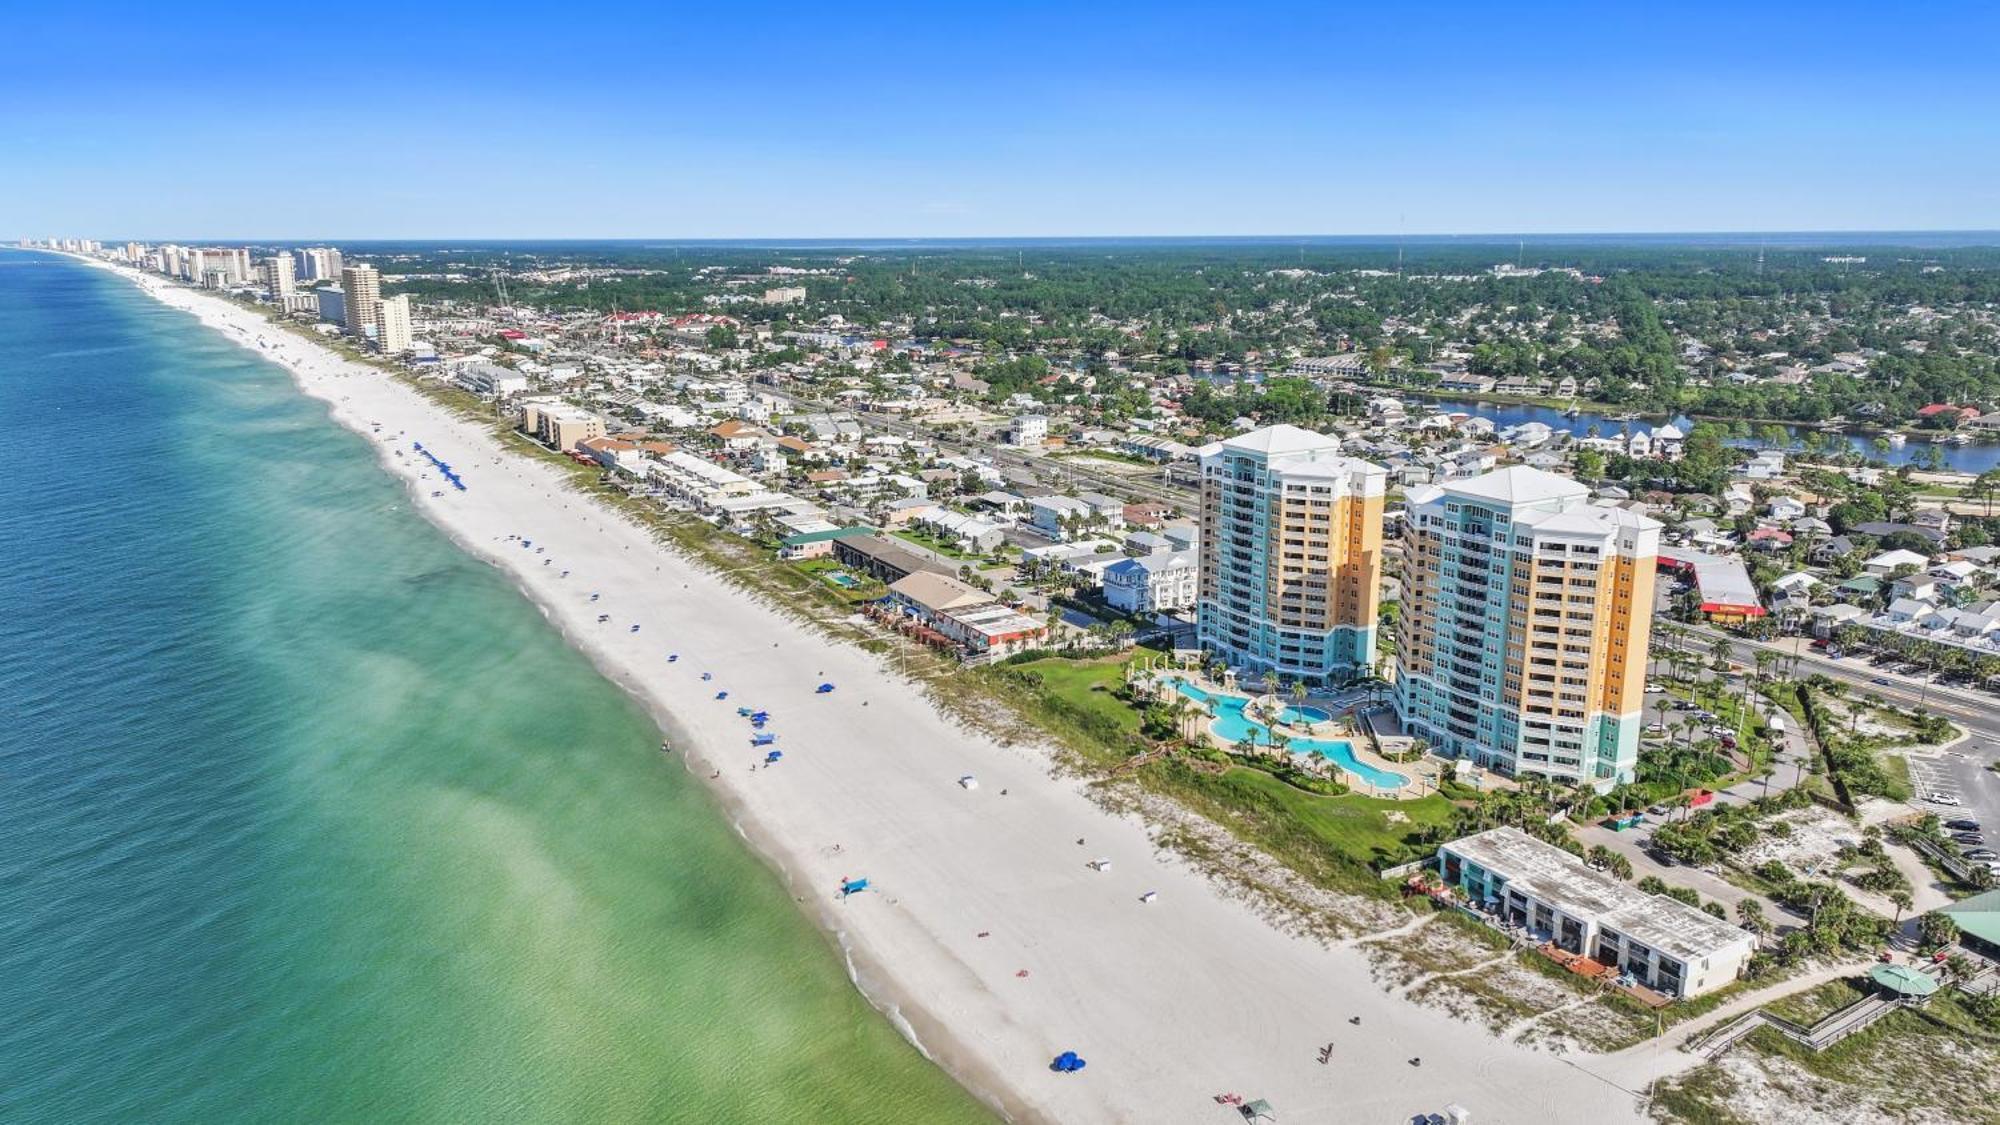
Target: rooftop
column 1281, row 438
column 1554, row 876
column 1518, row 484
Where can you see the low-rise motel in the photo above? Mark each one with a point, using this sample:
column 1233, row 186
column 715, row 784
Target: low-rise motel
column 1524, row 625
column 1662, row 943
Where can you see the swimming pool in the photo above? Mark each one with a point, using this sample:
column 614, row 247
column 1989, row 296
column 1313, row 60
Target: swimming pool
column 843, row 580
column 1231, row 725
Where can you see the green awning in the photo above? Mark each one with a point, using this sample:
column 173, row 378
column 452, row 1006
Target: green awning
column 1902, row 980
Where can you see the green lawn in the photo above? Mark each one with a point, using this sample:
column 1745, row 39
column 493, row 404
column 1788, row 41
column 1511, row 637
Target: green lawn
column 1088, row 686
column 941, row 546
column 1339, row 841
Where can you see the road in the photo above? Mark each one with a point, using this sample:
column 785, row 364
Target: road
column 1961, row 769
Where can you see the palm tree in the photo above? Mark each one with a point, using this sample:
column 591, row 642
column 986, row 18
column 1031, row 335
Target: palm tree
column 1901, row 899
column 1750, row 912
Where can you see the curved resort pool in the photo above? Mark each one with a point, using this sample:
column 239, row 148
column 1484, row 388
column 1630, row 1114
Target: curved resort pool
column 1231, row 724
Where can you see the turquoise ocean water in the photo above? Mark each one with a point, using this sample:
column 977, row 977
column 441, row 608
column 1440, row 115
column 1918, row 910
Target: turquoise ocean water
column 305, row 815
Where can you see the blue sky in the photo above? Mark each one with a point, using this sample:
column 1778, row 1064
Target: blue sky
column 780, row 120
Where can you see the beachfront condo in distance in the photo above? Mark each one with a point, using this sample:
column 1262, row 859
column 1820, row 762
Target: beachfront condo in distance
column 1291, row 555
column 1522, row 633
column 363, row 287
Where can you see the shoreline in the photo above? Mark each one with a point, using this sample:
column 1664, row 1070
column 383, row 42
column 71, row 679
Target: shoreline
column 1171, row 1001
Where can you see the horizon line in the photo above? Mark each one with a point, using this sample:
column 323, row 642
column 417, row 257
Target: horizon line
column 1272, row 238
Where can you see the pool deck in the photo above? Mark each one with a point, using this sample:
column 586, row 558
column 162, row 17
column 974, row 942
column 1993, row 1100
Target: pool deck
column 1420, row 775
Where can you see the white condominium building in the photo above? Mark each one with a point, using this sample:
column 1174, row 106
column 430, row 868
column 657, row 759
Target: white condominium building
column 392, row 325
column 278, row 277
column 1291, row 554
column 1523, row 629
column 363, row 288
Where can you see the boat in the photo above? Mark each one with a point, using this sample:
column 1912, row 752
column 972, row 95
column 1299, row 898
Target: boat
column 1573, row 411
column 1897, row 438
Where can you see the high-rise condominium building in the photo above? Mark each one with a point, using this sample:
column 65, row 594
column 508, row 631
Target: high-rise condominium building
column 392, row 330
column 317, row 263
column 363, row 287
column 1523, row 627
column 278, row 277
column 1291, row 554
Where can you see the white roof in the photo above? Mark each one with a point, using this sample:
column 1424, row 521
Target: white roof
column 1896, row 558
column 1281, row 438
column 1517, row 484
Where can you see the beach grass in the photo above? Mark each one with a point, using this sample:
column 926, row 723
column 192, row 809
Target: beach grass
column 1088, row 687
column 1337, row 842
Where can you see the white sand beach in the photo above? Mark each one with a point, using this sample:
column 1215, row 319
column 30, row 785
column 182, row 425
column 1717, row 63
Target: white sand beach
column 985, row 933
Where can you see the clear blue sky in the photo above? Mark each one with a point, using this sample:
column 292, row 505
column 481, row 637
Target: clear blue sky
column 768, row 119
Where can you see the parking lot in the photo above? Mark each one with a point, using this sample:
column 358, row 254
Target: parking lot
column 1934, row 783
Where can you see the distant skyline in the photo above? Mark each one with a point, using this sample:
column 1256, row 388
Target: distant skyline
column 784, row 121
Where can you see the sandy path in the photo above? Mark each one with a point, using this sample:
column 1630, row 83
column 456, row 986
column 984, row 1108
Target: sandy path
column 1171, row 1002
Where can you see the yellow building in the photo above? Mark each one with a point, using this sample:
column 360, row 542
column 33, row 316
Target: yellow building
column 1524, row 625
column 1291, row 554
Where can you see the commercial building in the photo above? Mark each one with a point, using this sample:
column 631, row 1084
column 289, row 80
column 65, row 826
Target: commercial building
column 1028, row 429
column 1291, row 554
column 1524, row 622
column 278, row 279
column 1978, row 920
column 1665, row 944
column 1723, row 585
column 785, row 295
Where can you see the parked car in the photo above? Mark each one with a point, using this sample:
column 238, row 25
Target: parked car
column 1982, row 854
column 1962, row 824
column 1972, row 838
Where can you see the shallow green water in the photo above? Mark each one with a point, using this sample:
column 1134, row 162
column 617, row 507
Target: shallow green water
column 305, row 815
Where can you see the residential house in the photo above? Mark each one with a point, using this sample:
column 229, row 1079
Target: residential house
column 1154, row 583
